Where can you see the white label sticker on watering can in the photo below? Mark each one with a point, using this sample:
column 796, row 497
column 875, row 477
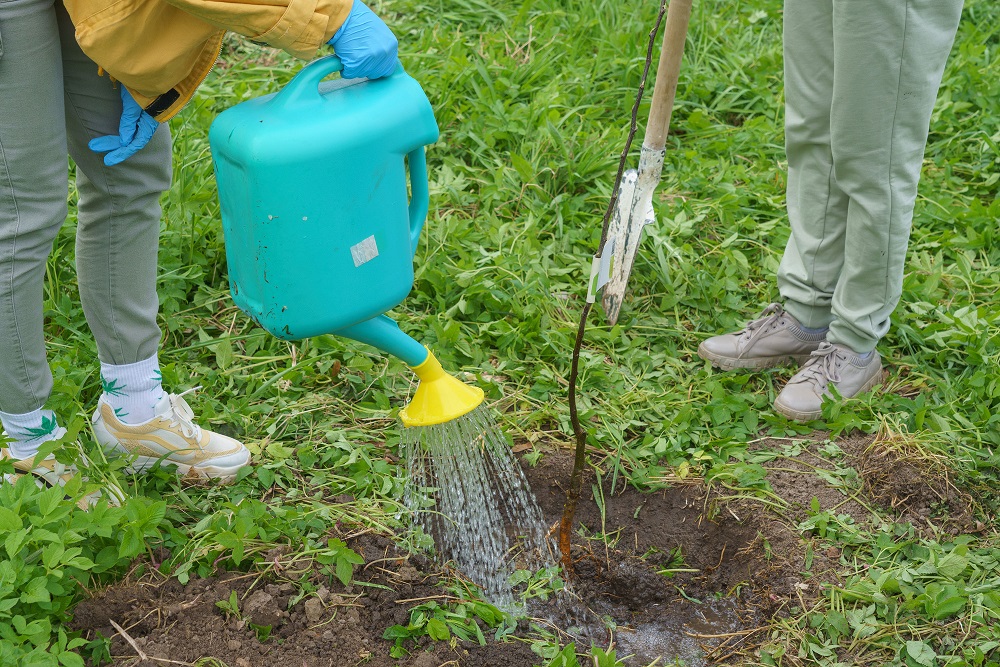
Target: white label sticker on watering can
column 365, row 251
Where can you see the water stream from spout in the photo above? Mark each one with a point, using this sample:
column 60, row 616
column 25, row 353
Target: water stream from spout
column 469, row 494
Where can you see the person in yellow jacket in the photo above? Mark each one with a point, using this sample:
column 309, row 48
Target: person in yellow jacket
column 97, row 80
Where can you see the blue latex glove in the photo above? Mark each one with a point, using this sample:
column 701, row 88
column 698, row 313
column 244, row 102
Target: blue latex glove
column 365, row 45
column 135, row 130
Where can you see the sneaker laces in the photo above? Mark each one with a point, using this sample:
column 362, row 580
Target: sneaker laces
column 181, row 415
column 767, row 320
column 823, row 366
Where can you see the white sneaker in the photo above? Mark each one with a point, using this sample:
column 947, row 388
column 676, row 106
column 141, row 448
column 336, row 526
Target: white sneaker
column 832, row 365
column 53, row 473
column 171, row 438
column 773, row 339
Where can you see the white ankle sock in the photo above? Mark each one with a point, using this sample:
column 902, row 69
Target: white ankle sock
column 29, row 431
column 132, row 390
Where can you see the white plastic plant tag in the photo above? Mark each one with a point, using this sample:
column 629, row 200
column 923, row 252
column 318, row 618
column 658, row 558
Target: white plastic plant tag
column 600, row 271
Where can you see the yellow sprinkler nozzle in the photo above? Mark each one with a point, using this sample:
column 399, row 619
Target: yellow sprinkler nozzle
column 439, row 397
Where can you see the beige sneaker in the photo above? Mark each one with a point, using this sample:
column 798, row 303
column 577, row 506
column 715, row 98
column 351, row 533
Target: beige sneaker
column 171, row 438
column 831, row 365
column 773, row 339
column 51, row 472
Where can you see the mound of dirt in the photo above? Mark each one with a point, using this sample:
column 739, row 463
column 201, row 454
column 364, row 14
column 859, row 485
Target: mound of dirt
column 677, row 575
column 805, row 476
column 885, row 471
column 912, row 483
column 669, row 575
column 337, row 626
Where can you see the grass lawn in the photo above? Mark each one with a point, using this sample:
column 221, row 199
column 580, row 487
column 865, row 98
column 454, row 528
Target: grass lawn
column 533, row 101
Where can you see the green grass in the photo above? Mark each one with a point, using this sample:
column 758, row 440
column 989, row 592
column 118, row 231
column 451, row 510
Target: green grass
column 533, row 101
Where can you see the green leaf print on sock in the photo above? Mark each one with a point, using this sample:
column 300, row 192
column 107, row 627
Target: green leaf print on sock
column 112, row 388
column 157, row 376
column 120, row 413
column 47, row 428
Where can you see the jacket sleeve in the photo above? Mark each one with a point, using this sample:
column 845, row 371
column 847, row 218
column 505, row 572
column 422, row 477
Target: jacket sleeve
column 299, row 27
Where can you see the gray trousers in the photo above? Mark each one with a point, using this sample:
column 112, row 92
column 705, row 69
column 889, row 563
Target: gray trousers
column 861, row 77
column 52, row 102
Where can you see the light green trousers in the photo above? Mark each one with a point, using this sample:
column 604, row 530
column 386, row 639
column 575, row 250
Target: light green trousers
column 861, row 77
column 52, row 102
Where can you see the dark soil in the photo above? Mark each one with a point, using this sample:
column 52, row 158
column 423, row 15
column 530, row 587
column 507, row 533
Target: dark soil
column 724, row 578
column 719, row 546
column 338, row 626
column 795, row 480
column 891, row 476
column 673, row 574
column 912, row 484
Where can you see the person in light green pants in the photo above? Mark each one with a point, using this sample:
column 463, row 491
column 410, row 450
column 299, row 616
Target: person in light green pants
column 73, row 81
column 53, row 101
column 861, row 77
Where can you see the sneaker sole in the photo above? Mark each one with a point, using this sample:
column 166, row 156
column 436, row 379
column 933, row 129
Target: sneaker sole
column 799, row 416
column 752, row 363
column 217, row 474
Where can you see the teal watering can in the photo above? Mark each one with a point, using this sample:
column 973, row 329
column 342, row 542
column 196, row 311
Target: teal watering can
column 320, row 232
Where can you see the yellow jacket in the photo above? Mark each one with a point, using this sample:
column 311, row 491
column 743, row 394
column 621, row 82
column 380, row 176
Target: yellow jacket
column 162, row 50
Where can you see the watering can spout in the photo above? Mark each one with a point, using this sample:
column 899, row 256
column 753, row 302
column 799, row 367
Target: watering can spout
column 440, row 397
column 381, row 332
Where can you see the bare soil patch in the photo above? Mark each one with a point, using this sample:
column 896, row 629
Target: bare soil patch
column 338, row 626
column 681, row 574
column 878, row 475
column 912, row 483
column 677, row 573
column 805, row 476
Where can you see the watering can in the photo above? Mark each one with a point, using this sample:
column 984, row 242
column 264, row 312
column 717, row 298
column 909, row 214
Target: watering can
column 320, row 232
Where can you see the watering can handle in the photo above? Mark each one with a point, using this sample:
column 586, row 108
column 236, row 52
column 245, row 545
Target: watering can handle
column 419, row 197
column 304, row 86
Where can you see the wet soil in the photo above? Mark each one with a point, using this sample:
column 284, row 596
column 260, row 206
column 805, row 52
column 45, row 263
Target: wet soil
column 678, row 576
column 687, row 572
column 670, row 574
